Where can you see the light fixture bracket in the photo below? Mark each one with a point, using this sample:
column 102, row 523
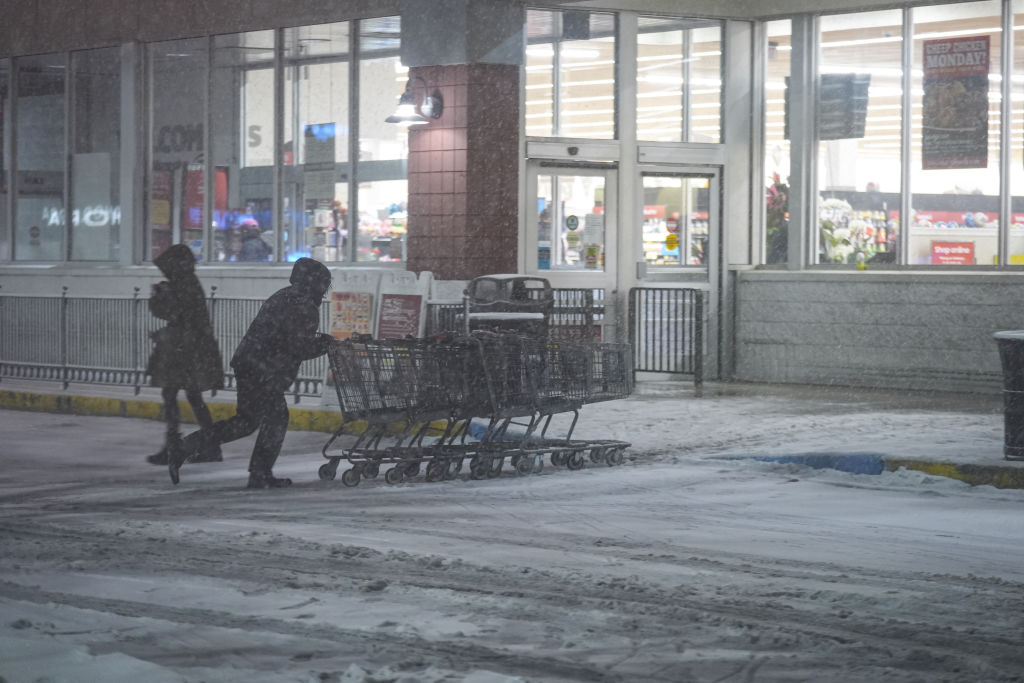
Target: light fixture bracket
column 408, row 114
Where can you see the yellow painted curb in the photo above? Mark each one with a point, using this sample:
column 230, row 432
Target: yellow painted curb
column 998, row 476
column 302, row 419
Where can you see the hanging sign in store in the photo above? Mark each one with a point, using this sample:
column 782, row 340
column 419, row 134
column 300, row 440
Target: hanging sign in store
column 954, row 126
column 842, row 106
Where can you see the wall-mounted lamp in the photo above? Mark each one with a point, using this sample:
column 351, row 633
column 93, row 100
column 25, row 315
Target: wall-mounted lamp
column 406, row 113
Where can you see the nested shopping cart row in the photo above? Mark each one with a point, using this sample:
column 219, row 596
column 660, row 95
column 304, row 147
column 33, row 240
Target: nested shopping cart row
column 475, row 400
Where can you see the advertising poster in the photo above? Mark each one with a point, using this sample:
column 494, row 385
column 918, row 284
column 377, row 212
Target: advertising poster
column 160, row 193
column 953, row 253
column 351, row 314
column 399, row 316
column 955, row 106
column 192, row 207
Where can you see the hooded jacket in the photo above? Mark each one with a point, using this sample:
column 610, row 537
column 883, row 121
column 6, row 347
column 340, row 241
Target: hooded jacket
column 185, row 353
column 284, row 332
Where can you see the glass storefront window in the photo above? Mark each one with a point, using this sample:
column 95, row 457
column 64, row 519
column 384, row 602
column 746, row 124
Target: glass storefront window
column 675, row 220
column 95, row 160
column 679, row 80
column 954, row 157
column 5, row 158
column 242, row 146
column 776, row 141
column 859, row 103
column 1016, row 180
column 176, row 180
column 40, row 215
column 383, row 147
column 316, row 141
column 382, row 220
column 570, row 74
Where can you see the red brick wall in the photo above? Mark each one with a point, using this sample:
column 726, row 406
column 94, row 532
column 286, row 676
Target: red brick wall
column 464, row 174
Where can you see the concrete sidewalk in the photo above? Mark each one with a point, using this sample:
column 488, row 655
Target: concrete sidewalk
column 922, row 431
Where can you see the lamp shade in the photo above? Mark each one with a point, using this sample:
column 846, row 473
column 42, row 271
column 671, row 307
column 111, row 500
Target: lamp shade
column 405, row 113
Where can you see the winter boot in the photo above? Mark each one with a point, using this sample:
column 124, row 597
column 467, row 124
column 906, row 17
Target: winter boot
column 158, row 458
column 180, row 451
column 209, row 451
column 266, row 480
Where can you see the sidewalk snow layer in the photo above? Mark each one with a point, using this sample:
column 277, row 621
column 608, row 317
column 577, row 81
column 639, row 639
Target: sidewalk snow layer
column 318, row 420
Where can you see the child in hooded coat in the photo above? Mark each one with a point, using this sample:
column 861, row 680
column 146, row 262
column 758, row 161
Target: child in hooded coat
column 185, row 354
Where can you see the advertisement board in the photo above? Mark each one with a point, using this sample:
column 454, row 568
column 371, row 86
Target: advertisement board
column 954, row 111
column 952, row 253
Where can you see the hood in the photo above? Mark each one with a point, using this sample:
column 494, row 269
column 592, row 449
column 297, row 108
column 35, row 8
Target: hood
column 177, row 260
column 311, row 277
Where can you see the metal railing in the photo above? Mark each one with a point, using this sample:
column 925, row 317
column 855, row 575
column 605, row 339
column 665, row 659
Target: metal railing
column 108, row 340
column 666, row 330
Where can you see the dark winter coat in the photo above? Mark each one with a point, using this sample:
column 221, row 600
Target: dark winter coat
column 283, row 333
column 254, row 249
column 185, row 353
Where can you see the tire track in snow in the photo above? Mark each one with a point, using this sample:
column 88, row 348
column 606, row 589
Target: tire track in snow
column 659, row 612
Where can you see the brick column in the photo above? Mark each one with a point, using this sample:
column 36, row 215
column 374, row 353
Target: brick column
column 464, row 174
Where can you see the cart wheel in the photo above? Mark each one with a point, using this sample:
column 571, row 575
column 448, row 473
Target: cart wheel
column 350, row 477
column 514, row 461
column 597, row 454
column 411, row 470
column 619, row 455
column 435, row 470
column 371, row 470
column 575, row 461
column 328, row 470
column 478, row 468
column 454, row 467
column 523, row 465
column 538, row 464
column 393, row 475
column 558, row 459
column 495, row 469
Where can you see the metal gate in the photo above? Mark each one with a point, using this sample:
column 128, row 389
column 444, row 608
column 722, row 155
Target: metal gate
column 666, row 330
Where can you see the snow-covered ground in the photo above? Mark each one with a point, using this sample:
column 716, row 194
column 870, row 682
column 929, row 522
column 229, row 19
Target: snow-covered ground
column 688, row 562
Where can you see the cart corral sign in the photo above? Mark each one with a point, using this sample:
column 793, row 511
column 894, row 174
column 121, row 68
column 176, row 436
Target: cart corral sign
column 351, row 314
column 399, row 316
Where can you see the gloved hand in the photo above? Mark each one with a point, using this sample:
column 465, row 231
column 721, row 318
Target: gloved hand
column 324, row 341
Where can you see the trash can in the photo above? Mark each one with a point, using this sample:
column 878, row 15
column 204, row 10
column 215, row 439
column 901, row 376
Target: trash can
column 1011, row 355
column 517, row 303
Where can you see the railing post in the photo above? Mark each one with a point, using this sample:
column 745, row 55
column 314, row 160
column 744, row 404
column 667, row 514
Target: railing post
column 213, row 326
column 1, row 322
column 137, row 341
column 63, row 325
column 698, row 342
column 631, row 326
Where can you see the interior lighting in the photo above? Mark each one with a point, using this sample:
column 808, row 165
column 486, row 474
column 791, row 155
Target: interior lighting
column 407, row 113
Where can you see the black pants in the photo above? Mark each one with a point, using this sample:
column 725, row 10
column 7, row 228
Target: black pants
column 262, row 407
column 172, row 414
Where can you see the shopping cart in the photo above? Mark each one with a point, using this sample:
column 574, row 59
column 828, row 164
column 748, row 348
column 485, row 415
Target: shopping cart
column 418, row 398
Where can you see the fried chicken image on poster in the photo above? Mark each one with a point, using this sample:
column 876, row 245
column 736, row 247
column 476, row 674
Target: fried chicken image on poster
column 955, row 107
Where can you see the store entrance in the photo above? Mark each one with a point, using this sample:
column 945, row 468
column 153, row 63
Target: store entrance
column 676, row 241
column 571, row 236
